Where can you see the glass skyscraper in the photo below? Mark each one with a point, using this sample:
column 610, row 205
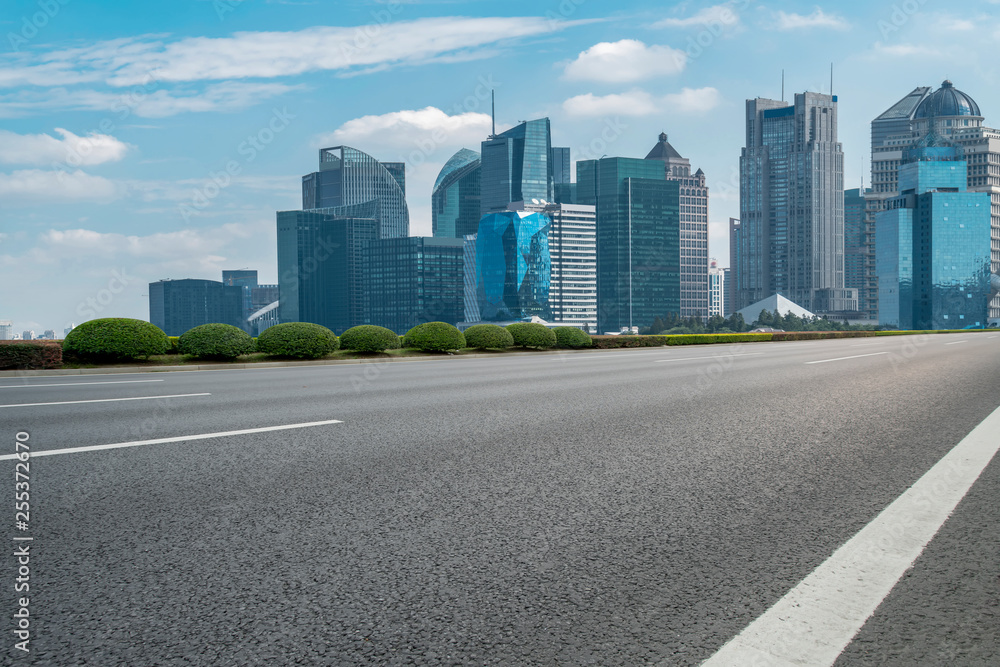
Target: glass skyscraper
column 517, row 166
column 455, row 199
column 638, row 240
column 178, row 305
column 413, row 280
column 513, row 266
column 933, row 244
column 790, row 238
column 349, row 177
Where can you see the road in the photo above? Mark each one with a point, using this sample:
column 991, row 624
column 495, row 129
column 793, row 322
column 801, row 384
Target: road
column 620, row 507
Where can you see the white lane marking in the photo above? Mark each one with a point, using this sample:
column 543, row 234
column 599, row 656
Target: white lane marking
column 818, row 618
column 864, row 344
column 956, row 342
column 714, row 356
column 856, row 356
column 183, row 438
column 100, row 400
column 75, row 384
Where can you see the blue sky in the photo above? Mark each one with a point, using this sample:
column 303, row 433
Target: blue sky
column 141, row 141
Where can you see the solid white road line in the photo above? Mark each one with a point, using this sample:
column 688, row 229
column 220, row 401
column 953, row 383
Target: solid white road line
column 856, row 356
column 100, row 400
column 818, row 618
column 956, row 342
column 714, row 356
column 75, row 384
column 183, row 438
column 865, row 344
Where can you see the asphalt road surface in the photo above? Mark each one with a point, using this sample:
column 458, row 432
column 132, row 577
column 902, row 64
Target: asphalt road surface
column 623, row 507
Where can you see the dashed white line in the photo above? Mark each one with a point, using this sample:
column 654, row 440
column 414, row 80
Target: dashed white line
column 956, row 342
column 182, row 438
column 714, row 356
column 100, row 400
column 855, row 356
column 816, row 620
column 75, row 384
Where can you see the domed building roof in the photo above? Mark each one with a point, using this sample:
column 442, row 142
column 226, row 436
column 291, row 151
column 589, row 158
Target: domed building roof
column 462, row 158
column 947, row 101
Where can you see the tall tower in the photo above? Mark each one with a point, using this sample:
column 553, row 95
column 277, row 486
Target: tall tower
column 349, row 177
column 950, row 115
column 455, row 199
column 693, row 230
column 517, row 166
column 791, row 230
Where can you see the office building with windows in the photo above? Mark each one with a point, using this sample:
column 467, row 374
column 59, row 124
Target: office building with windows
column 349, row 177
column 694, row 227
column 413, row 280
column 455, row 199
column 178, row 305
column 950, row 115
column 789, row 239
column 573, row 252
column 638, row 240
column 933, row 244
column 517, row 166
column 513, row 266
column 716, row 289
column 6, row 329
column 321, row 265
column 859, row 251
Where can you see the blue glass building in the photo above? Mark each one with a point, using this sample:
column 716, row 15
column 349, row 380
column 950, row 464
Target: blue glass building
column 513, row 266
column 638, row 239
column 455, row 199
column 349, row 177
column 933, row 244
column 517, row 166
column 178, row 305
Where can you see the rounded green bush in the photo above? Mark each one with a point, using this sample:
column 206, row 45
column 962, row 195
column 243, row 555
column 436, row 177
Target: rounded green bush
column 571, row 337
column 532, row 334
column 215, row 341
column 488, row 336
column 435, row 337
column 116, row 338
column 369, row 338
column 302, row 340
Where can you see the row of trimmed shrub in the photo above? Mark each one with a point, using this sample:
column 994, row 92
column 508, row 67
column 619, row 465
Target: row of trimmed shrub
column 116, row 339
column 612, row 342
column 29, row 355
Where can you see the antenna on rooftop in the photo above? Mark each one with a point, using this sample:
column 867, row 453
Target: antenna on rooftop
column 831, row 79
column 493, row 112
column 782, row 85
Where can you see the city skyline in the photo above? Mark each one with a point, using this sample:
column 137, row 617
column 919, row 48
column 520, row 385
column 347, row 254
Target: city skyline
column 169, row 162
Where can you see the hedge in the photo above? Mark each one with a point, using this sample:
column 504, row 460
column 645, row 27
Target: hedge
column 115, row 338
column 435, row 337
column 301, row 340
column 532, row 334
column 215, row 341
column 369, row 338
column 30, row 354
column 488, row 337
column 571, row 337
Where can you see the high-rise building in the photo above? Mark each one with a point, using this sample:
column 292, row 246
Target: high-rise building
column 321, row 264
column 859, row 250
column 950, row 115
column 933, row 243
column 517, row 166
column 246, row 279
column 513, row 266
column 28, row 334
column 716, row 288
column 72, row 325
column 6, row 329
column 413, row 280
column 561, row 165
column 727, row 294
column 470, row 280
column 694, row 227
column 790, row 236
column 178, row 305
column 456, row 199
column 349, row 177
column 638, row 240
column 573, row 251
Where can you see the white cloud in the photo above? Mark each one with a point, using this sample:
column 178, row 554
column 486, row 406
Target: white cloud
column 401, row 134
column 692, row 100
column 31, row 186
column 904, row 50
column 633, row 103
column 818, row 19
column 716, row 15
column 638, row 102
column 44, row 149
column 624, row 61
column 150, row 102
column 134, row 61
